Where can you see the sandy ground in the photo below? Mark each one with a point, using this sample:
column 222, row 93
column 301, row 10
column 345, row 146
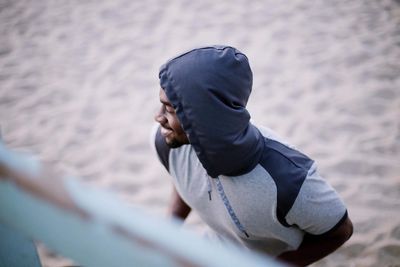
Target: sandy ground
column 79, row 85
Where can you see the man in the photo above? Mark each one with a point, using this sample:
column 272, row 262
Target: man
column 247, row 185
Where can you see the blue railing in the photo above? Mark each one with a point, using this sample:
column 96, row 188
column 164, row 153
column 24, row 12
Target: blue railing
column 93, row 228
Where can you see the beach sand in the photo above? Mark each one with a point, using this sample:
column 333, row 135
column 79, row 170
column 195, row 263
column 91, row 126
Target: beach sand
column 79, row 88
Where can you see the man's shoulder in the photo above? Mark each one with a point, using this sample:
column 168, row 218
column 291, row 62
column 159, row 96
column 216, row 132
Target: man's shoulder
column 288, row 168
column 160, row 146
column 280, row 155
column 270, row 134
column 304, row 198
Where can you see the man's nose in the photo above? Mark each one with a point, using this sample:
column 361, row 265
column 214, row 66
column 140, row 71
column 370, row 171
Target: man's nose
column 159, row 117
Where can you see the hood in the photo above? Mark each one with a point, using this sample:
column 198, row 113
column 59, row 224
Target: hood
column 209, row 88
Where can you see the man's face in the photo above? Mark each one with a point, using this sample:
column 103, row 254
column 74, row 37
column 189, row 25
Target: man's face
column 171, row 128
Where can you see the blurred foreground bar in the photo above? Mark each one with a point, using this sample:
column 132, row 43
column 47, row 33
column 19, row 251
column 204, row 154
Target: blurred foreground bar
column 94, row 229
column 16, row 250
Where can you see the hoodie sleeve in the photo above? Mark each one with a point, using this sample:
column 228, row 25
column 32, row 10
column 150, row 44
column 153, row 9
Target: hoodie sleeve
column 158, row 143
column 317, row 208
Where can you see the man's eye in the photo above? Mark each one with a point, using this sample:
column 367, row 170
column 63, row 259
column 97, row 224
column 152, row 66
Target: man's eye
column 169, row 109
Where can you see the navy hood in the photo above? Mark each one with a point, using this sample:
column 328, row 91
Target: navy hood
column 209, row 88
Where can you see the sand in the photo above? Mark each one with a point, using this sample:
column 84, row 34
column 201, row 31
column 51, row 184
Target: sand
column 79, row 86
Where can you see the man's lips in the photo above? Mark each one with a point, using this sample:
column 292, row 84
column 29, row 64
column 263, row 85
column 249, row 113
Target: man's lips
column 165, row 131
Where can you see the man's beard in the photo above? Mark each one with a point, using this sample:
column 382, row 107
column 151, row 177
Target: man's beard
column 174, row 143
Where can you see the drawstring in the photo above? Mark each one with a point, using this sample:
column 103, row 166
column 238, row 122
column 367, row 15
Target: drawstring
column 228, row 206
column 209, row 187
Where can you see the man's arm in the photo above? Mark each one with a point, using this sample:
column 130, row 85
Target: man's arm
column 178, row 208
column 315, row 247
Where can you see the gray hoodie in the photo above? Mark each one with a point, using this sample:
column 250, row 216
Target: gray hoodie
column 245, row 183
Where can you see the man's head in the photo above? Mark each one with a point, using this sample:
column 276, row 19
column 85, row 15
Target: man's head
column 204, row 95
column 171, row 128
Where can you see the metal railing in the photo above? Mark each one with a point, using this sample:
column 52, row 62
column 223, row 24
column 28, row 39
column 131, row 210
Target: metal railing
column 93, row 228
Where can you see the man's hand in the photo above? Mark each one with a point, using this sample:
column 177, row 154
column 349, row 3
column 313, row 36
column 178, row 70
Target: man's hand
column 178, row 208
column 315, row 247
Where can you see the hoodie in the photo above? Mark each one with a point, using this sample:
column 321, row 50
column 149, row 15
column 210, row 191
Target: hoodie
column 265, row 194
column 209, row 88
